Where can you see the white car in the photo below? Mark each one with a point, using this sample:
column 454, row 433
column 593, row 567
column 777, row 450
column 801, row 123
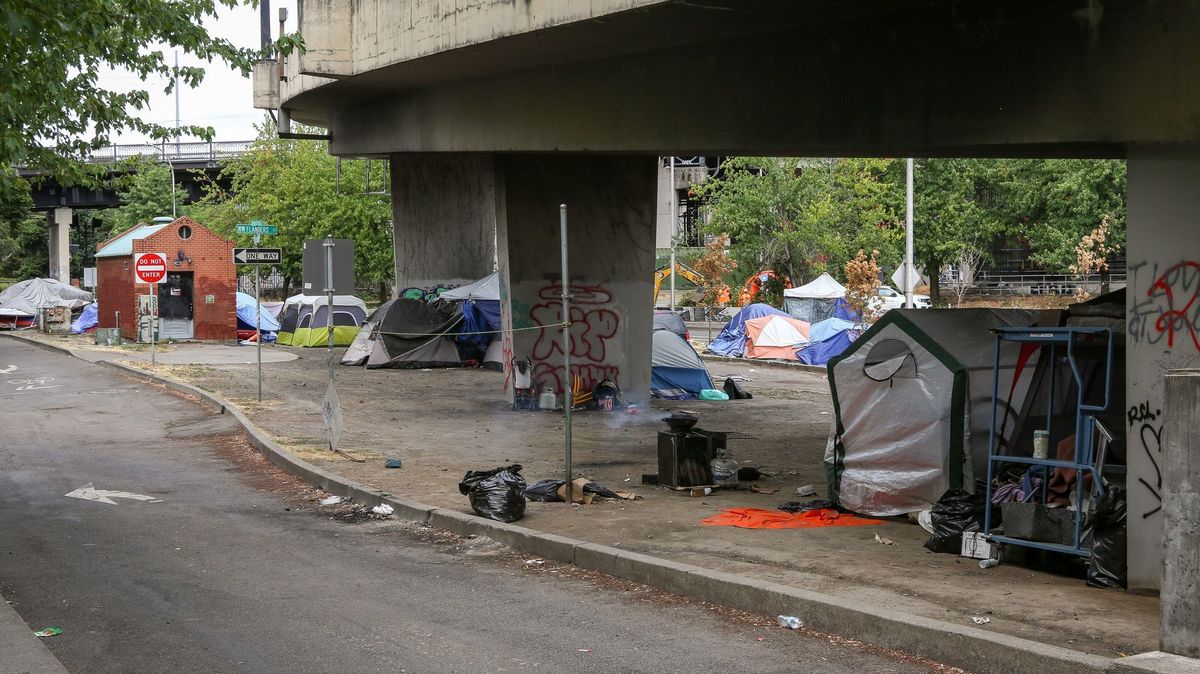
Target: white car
column 889, row 298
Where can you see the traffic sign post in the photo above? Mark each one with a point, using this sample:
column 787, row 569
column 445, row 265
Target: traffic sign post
column 257, row 256
column 257, row 227
column 151, row 268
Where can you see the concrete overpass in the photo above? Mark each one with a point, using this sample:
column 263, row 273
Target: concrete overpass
column 495, row 111
column 187, row 161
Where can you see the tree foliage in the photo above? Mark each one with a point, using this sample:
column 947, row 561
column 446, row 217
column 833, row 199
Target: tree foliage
column 293, row 184
column 145, row 194
column 23, row 234
column 53, row 109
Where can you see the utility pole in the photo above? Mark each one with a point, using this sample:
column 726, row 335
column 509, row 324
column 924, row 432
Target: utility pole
column 909, row 269
column 176, row 122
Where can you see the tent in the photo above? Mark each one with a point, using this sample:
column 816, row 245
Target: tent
column 27, row 297
column 486, row 288
column 818, row 300
column 245, row 315
column 405, row 333
column 480, row 304
column 676, row 370
column 775, row 337
column 912, row 405
column 304, row 320
column 827, row 339
column 732, row 339
column 88, row 320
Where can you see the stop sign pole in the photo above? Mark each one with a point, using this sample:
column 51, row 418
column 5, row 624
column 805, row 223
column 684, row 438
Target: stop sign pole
column 151, row 268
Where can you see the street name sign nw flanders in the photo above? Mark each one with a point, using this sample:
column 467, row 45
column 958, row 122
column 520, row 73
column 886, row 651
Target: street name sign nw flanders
column 257, row 255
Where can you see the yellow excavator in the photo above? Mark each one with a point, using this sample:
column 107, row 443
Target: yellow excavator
column 681, row 271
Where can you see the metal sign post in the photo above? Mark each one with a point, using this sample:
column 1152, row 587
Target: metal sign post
column 257, row 256
column 569, row 400
column 329, row 244
column 151, row 268
column 153, row 321
column 909, row 281
column 258, row 323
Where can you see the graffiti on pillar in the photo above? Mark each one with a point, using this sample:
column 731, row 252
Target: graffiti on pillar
column 1145, row 435
column 1169, row 311
column 594, row 326
column 427, row 294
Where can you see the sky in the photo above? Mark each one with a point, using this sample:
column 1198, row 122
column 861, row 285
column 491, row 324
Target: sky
column 223, row 99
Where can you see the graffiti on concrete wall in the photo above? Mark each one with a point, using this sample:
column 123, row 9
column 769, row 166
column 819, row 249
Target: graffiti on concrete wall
column 1168, row 312
column 594, row 327
column 1145, row 435
column 428, row 294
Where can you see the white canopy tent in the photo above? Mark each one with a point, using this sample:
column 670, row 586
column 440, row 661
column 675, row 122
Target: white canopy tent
column 815, row 301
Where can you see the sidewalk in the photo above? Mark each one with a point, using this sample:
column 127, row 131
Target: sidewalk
column 444, row 422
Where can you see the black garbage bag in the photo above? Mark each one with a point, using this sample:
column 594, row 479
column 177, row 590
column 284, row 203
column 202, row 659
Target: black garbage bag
column 544, row 490
column 734, row 390
column 497, row 493
column 1107, row 566
column 954, row 513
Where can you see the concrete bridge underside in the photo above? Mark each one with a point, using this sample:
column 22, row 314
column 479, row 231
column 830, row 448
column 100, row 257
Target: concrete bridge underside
column 496, row 111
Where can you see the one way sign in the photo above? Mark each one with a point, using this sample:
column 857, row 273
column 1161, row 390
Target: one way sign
column 257, row 255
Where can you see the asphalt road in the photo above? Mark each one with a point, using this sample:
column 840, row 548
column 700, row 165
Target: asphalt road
column 233, row 568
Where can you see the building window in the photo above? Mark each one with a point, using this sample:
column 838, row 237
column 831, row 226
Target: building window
column 185, row 232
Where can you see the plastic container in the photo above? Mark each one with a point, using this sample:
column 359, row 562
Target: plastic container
column 724, row 470
column 1041, row 444
column 547, row 401
column 789, row 621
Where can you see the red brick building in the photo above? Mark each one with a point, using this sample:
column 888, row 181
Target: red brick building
column 196, row 300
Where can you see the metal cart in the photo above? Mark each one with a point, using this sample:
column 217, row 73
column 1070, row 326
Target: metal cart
column 1091, row 438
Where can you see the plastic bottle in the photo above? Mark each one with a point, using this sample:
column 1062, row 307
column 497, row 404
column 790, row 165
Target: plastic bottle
column 789, row 621
column 724, row 470
column 988, row 563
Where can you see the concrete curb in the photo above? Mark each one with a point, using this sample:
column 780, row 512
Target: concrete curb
column 971, row 648
column 23, row 652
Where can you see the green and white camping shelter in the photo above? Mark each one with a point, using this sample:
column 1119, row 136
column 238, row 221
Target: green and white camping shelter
column 305, row 320
column 912, row 400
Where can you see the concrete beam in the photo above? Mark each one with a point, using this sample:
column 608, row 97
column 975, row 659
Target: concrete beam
column 1020, row 78
column 60, row 244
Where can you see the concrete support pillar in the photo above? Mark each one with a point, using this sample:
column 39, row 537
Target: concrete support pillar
column 60, row 244
column 611, row 211
column 1180, row 595
column 444, row 212
column 1163, row 330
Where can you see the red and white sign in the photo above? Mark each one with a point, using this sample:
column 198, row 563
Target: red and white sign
column 149, row 267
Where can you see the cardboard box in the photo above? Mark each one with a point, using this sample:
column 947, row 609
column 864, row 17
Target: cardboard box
column 975, row 546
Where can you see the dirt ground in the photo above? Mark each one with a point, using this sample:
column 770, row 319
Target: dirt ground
column 441, row 423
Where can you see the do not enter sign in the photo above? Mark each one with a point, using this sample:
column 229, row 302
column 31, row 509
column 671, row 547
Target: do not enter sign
column 149, row 267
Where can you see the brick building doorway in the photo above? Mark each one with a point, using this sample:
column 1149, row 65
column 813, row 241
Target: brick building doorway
column 175, row 306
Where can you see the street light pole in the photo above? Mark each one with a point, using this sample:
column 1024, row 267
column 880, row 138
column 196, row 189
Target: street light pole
column 909, row 269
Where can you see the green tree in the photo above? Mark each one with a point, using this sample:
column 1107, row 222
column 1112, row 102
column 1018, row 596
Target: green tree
column 802, row 217
column 145, row 193
column 293, row 184
column 1054, row 203
column 52, row 108
column 24, row 250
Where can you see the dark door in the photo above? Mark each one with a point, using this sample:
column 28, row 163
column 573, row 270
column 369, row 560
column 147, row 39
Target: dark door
column 175, row 296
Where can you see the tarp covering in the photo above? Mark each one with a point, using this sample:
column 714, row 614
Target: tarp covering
column 912, row 406
column 245, row 315
column 414, row 334
column 89, row 318
column 27, row 296
column 486, row 288
column 732, row 339
column 305, row 320
column 827, row 339
column 676, row 371
column 481, row 325
column 775, row 337
column 824, row 287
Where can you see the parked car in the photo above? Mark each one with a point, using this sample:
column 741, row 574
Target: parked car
column 889, row 298
column 668, row 320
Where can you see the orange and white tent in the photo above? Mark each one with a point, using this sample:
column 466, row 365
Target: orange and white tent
column 775, row 337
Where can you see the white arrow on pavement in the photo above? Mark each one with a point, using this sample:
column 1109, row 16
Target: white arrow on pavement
column 31, row 387
column 8, row 368
column 90, row 493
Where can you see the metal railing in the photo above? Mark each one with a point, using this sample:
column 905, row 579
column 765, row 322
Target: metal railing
column 1035, row 284
column 171, row 152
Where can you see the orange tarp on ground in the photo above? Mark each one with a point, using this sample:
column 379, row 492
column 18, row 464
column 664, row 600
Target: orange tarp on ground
column 758, row 518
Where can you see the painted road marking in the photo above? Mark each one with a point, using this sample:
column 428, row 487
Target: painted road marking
column 8, row 368
column 31, row 384
column 90, row 493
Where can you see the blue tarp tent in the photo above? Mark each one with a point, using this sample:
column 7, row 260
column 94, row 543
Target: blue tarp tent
column 676, row 370
column 732, row 339
column 827, row 339
column 479, row 316
column 245, row 315
column 87, row 320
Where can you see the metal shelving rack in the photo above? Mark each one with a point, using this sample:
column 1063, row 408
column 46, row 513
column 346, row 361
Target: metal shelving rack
column 1085, row 424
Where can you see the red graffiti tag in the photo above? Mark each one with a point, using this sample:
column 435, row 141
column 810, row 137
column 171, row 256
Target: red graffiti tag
column 1179, row 283
column 593, row 326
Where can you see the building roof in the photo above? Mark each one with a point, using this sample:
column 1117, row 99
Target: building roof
column 123, row 244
